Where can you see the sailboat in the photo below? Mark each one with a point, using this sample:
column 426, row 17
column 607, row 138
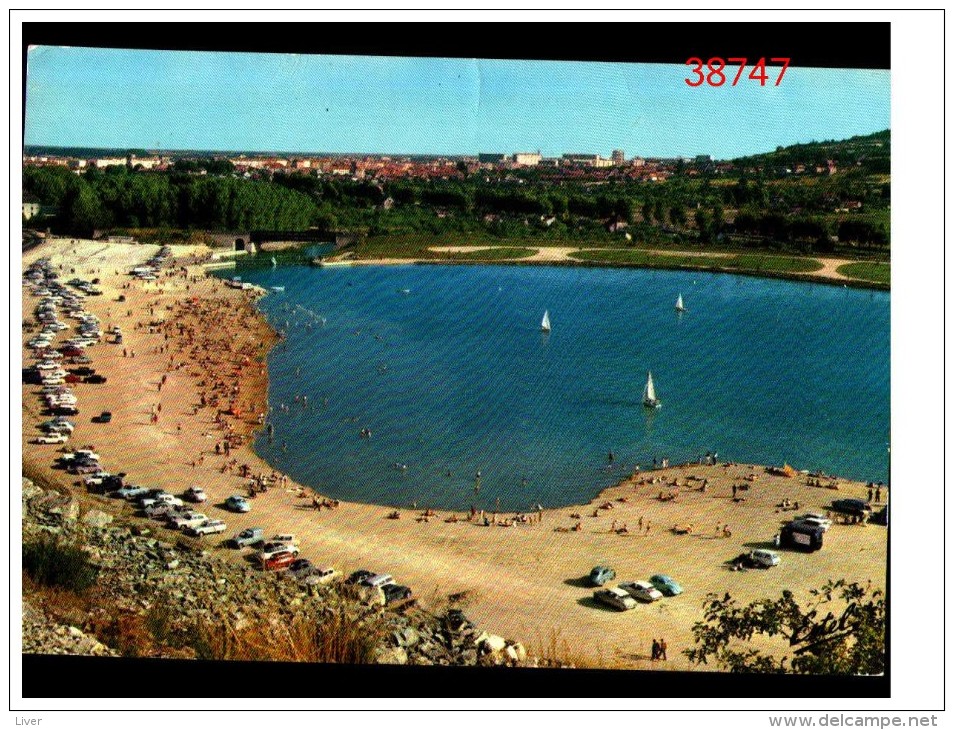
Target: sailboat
column 274, row 262
column 545, row 324
column 649, row 393
column 679, row 305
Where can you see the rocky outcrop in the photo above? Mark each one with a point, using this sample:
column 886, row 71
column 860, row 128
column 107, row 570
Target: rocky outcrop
column 170, row 588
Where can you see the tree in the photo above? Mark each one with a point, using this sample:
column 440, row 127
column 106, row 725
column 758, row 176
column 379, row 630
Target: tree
column 648, row 210
column 848, row 639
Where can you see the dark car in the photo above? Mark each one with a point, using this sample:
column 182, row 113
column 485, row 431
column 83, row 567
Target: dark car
column 851, row 506
column 357, row 577
column 83, row 371
column 393, row 593
column 104, row 417
column 95, row 379
column 880, row 517
column 601, row 574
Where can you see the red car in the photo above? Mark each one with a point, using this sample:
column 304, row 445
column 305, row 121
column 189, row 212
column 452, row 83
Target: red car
column 70, row 378
column 280, row 561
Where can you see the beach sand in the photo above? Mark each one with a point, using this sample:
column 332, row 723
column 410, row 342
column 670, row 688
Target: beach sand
column 523, row 582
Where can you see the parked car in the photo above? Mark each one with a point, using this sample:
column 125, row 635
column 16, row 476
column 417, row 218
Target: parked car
column 278, row 561
column 60, row 425
column 601, row 574
column 163, row 498
column 209, row 527
column 301, row 568
column 804, row 536
column 270, row 549
column 358, row 576
column 130, row 492
column 104, row 417
column 163, row 511
column 195, row 494
column 852, row 506
column 95, row 379
column 813, row 518
column 187, row 519
column 377, row 581
column 322, row 576
column 616, row 598
column 880, row 517
column 248, row 536
column 52, row 438
column 237, row 503
column 642, row 591
column 764, row 558
column 83, row 371
column 666, row 585
column 394, row 593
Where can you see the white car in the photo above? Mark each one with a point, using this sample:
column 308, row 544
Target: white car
column 642, row 591
column 53, row 438
column 764, row 558
column 189, row 519
column 271, row 549
column 209, row 527
column 813, row 518
column 163, row 511
column 164, row 498
column 616, row 598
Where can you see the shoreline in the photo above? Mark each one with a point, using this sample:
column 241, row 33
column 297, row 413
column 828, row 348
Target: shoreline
column 440, row 555
column 812, row 277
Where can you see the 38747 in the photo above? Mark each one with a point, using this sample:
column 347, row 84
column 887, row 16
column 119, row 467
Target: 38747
column 714, row 71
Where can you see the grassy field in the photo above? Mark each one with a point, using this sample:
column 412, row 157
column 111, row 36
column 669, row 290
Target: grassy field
column 868, row 271
column 497, row 253
column 637, row 257
column 743, row 262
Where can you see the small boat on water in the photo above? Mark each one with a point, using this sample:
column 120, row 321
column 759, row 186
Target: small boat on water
column 649, row 393
column 679, row 305
column 274, row 262
column 277, row 288
column 545, row 324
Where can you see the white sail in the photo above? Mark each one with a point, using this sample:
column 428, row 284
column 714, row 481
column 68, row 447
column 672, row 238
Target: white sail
column 545, row 324
column 274, row 262
column 679, row 305
column 649, row 393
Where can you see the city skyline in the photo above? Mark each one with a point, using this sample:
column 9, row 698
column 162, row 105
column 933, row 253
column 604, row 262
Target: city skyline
column 212, row 101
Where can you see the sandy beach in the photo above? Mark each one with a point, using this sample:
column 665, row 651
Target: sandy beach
column 199, row 349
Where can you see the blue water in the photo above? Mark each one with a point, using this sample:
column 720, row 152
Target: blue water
column 456, row 377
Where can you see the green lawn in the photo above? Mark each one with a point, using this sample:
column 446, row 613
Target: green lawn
column 775, row 264
column 868, row 271
column 638, row 257
column 497, row 253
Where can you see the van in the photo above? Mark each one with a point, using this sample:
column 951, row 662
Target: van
column 803, row 536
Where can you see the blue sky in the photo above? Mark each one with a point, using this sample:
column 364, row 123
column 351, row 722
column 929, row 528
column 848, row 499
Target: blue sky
column 231, row 101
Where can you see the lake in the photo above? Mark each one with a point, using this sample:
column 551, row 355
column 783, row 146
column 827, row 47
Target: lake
column 448, row 369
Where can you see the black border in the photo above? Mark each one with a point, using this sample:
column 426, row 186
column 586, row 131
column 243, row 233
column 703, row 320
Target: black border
column 841, row 45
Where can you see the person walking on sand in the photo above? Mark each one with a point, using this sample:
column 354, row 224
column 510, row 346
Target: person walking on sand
column 662, row 650
column 870, row 493
column 655, row 654
column 878, row 495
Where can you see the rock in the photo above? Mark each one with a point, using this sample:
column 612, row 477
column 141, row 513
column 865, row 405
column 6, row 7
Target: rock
column 520, row 650
column 492, row 643
column 172, row 564
column 97, row 518
column 30, row 490
column 393, row 655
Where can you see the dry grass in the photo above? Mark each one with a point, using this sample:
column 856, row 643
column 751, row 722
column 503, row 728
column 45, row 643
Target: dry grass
column 339, row 637
column 554, row 650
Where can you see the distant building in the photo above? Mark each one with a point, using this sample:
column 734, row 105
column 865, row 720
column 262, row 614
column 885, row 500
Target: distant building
column 104, row 162
column 527, row 159
column 575, row 158
column 491, row 158
column 618, row 157
column 146, row 163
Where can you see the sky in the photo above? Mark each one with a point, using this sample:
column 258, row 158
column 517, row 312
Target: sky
column 168, row 100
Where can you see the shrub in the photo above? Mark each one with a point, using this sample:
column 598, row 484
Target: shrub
column 51, row 562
